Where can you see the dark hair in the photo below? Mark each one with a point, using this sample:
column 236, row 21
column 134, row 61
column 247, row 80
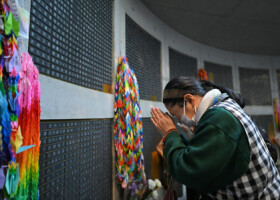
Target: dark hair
column 190, row 85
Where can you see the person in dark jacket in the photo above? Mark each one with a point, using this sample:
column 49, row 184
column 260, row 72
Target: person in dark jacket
column 270, row 146
column 226, row 158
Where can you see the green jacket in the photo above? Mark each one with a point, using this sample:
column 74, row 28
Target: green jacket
column 218, row 153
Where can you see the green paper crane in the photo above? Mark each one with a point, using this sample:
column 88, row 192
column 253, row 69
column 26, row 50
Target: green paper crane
column 11, row 24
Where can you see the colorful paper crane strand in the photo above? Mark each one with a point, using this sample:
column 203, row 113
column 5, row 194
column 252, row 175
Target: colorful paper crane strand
column 128, row 132
column 11, row 134
column 19, row 113
column 29, row 120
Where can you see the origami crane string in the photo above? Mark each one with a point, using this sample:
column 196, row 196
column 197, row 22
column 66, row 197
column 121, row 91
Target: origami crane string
column 29, row 121
column 6, row 153
column 11, row 133
column 128, row 131
column 19, row 114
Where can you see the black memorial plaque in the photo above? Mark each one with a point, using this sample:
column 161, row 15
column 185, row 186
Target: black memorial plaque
column 181, row 64
column 143, row 54
column 151, row 138
column 255, row 86
column 75, row 158
column 72, row 40
column 278, row 82
column 221, row 74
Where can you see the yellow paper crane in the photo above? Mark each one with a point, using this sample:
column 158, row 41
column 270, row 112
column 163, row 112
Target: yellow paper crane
column 16, row 144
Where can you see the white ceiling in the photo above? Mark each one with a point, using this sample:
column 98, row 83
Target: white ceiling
column 245, row 26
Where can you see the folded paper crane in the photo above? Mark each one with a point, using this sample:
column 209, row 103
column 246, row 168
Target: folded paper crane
column 12, row 178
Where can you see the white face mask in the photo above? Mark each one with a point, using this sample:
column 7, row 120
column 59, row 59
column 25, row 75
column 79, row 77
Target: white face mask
column 185, row 120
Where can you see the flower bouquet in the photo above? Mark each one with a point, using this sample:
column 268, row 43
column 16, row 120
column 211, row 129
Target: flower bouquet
column 151, row 190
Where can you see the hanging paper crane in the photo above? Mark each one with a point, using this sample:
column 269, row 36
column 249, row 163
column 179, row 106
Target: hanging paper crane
column 19, row 114
column 9, row 110
column 128, row 132
column 6, row 151
column 29, row 121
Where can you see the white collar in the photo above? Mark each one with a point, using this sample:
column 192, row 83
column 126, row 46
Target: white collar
column 206, row 102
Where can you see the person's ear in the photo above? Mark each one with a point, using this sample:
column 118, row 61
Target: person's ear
column 189, row 98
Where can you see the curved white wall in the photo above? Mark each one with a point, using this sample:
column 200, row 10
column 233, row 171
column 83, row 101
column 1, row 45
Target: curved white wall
column 62, row 100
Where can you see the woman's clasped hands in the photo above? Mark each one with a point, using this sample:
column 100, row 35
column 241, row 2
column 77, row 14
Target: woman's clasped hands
column 162, row 121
